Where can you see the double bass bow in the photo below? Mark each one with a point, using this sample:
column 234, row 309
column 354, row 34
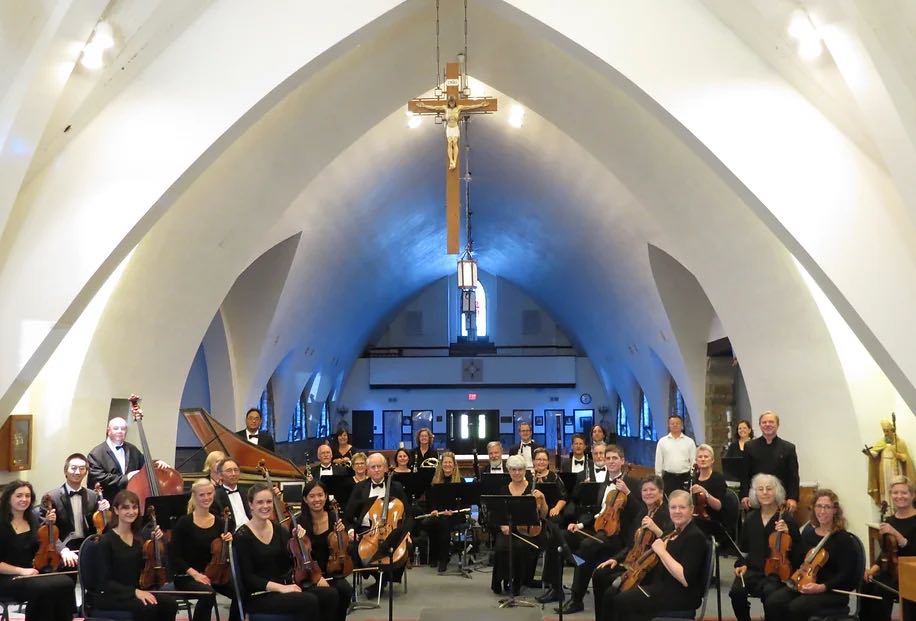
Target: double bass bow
column 152, row 479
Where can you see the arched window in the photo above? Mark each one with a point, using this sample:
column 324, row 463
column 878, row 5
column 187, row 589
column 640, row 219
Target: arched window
column 480, row 299
column 623, row 421
column 297, row 425
column 266, row 405
column 646, row 426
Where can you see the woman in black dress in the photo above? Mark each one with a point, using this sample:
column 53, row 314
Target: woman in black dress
column 189, row 551
column 744, row 433
column 901, row 528
column 709, row 484
column 315, row 518
column 121, row 562
column 265, row 567
column 678, row 580
column 440, row 522
column 839, row 572
column 341, row 449
column 48, row 598
column 402, row 459
column 423, row 450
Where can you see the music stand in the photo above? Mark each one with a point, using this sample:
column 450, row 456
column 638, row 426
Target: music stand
column 570, row 479
column 340, row 486
column 588, row 494
column 734, row 468
column 491, row 485
column 715, row 530
column 169, row 509
column 513, row 511
column 551, row 492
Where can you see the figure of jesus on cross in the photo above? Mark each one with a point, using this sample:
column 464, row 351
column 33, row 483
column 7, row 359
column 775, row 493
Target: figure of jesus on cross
column 452, row 117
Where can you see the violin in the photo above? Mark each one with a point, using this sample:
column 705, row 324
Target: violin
column 642, row 539
column 888, row 562
column 340, row 563
column 777, row 562
column 153, row 575
column 609, row 518
column 385, row 515
column 217, row 570
column 47, row 558
column 636, row 572
column 100, row 519
column 534, row 531
column 278, row 510
column 815, row 559
column 151, row 480
column 305, row 567
column 700, row 501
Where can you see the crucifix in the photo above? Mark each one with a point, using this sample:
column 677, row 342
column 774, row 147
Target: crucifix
column 453, row 106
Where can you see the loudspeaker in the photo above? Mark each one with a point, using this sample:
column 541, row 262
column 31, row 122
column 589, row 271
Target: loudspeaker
column 481, row 614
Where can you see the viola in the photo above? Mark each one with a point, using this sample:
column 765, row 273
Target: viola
column 340, row 563
column 100, row 519
column 151, row 480
column 47, row 558
column 609, row 518
column 888, row 562
column 815, row 559
column 642, row 539
column 153, row 575
column 278, row 514
column 534, row 531
column 777, row 562
column 636, row 572
column 305, row 567
column 217, row 570
column 700, row 501
column 385, row 515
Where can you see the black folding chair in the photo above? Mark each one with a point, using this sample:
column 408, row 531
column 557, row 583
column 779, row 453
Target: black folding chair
column 89, row 571
column 843, row 613
column 237, row 587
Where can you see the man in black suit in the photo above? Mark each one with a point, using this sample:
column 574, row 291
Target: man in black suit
column 577, row 461
column 251, row 433
column 363, row 496
column 325, row 466
column 771, row 454
column 229, row 495
column 526, row 446
column 496, row 463
column 114, row 462
column 74, row 505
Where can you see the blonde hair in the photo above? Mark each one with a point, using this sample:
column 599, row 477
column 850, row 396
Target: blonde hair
column 706, row 447
column 198, row 485
column 358, row 457
column 901, row 480
column 439, row 477
column 213, row 458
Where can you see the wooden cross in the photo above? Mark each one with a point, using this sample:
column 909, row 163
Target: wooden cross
column 453, row 106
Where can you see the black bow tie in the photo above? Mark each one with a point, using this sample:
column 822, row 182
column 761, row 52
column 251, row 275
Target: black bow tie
column 252, row 436
column 378, row 486
column 524, row 444
column 600, row 469
column 71, row 493
column 233, row 491
column 323, row 468
column 579, row 462
column 119, row 447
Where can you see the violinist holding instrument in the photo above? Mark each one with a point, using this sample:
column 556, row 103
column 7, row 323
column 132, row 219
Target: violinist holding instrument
column 47, row 597
column 763, row 522
column 121, row 565
column 76, row 508
column 654, row 523
column 329, row 542
column 618, row 516
column 196, row 538
column 678, row 579
column 266, row 567
column 897, row 531
column 829, row 566
column 708, row 487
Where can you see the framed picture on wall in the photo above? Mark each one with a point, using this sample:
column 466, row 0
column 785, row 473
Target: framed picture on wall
column 538, row 422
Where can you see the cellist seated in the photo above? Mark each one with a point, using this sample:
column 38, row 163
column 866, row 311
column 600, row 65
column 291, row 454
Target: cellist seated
column 766, row 496
column 266, row 566
column 363, row 496
column 615, row 504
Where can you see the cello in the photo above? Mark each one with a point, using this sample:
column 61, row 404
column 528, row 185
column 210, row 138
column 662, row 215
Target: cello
column 217, row 570
column 385, row 515
column 153, row 575
column 47, row 558
column 340, row 563
column 151, row 480
column 777, row 562
column 609, row 518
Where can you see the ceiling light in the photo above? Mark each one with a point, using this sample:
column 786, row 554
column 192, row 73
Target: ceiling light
column 517, row 116
column 92, row 57
column 802, row 30
column 413, row 120
column 104, row 35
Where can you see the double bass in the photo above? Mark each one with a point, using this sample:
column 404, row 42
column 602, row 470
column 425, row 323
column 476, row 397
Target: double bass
column 385, row 515
column 777, row 563
column 151, row 480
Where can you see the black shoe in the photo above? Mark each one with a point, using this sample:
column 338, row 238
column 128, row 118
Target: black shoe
column 548, row 597
column 443, row 565
column 572, row 607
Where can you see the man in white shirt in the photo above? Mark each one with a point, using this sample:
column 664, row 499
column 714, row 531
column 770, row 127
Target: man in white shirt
column 229, row 495
column 497, row 464
column 675, row 455
column 526, row 445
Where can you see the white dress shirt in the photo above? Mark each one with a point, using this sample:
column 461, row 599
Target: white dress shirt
column 525, row 451
column 374, row 492
column 675, row 455
column 577, row 465
column 119, row 453
column 238, row 507
column 251, row 438
column 76, row 505
column 600, row 475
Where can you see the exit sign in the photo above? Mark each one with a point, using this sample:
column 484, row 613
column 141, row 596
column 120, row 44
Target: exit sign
column 472, row 396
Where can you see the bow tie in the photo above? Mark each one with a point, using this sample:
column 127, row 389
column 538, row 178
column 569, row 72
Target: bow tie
column 378, row 486
column 252, row 436
column 600, row 469
column 119, row 447
column 71, row 493
column 579, row 462
column 233, row 491
column 328, row 468
column 526, row 444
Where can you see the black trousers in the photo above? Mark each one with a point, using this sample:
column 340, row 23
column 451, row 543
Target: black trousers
column 203, row 609
column 48, row 598
column 164, row 609
column 874, row 610
column 440, row 530
column 310, row 605
column 592, row 553
column 344, row 596
column 784, row 604
column 675, row 480
column 632, row 605
column 755, row 585
column 602, row 580
column 523, row 557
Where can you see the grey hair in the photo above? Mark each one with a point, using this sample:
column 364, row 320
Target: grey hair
column 517, row 462
column 766, row 478
column 494, row 443
column 706, row 447
column 680, row 492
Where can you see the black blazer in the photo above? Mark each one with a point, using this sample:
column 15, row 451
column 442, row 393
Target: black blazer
column 264, row 439
column 104, row 469
column 221, row 501
column 335, row 468
column 65, row 519
column 360, row 502
column 515, row 450
column 632, row 511
column 485, row 468
column 778, row 459
column 566, row 466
